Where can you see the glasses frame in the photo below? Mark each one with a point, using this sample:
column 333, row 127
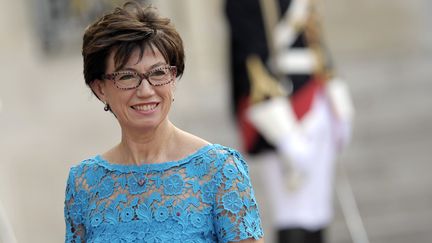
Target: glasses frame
column 146, row 75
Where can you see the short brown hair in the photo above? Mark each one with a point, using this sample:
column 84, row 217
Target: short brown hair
column 124, row 29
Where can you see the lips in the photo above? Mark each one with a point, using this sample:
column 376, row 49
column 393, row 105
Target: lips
column 145, row 107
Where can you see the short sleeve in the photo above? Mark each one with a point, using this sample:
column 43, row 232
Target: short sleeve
column 73, row 210
column 236, row 211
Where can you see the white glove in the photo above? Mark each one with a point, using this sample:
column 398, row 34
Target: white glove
column 340, row 99
column 274, row 118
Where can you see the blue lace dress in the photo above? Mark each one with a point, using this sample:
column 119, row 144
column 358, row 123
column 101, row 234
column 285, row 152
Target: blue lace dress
column 205, row 197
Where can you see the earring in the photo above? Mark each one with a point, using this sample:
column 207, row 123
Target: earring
column 173, row 99
column 107, row 107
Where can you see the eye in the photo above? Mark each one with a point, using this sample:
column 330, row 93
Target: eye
column 127, row 80
column 159, row 73
column 125, row 76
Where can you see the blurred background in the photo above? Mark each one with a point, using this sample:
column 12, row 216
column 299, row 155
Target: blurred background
column 50, row 121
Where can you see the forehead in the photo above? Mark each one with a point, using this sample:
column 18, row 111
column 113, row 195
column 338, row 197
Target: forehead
column 137, row 60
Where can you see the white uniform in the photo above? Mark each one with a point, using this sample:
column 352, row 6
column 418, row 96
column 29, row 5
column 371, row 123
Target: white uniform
column 322, row 136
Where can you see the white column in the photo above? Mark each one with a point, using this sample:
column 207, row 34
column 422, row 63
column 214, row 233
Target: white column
column 6, row 233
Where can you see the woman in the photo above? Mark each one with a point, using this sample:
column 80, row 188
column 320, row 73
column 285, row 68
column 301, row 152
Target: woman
column 159, row 184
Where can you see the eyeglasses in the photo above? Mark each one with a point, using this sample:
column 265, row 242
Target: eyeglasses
column 131, row 80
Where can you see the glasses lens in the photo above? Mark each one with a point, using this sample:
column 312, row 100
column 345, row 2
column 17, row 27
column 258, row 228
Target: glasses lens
column 127, row 80
column 160, row 76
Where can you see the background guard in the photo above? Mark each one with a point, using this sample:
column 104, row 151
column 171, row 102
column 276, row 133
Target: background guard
column 277, row 55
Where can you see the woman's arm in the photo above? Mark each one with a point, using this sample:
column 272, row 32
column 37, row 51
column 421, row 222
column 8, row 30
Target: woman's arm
column 249, row 241
column 75, row 230
column 236, row 213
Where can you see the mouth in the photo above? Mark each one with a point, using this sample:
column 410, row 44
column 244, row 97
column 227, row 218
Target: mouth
column 145, row 107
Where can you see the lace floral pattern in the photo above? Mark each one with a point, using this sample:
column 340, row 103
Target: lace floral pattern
column 206, row 197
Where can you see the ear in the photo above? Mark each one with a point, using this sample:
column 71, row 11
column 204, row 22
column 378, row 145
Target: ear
column 98, row 87
column 173, row 85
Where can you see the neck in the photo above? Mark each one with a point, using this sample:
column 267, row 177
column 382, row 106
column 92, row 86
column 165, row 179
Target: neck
column 142, row 147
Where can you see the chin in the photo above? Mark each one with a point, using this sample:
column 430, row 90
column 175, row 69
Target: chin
column 146, row 124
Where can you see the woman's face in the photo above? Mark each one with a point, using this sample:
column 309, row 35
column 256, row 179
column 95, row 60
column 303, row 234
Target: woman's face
column 145, row 107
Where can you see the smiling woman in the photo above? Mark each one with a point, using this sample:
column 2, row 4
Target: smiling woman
column 142, row 105
column 159, row 184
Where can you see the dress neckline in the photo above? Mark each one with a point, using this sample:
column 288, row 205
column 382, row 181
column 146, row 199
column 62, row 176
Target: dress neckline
column 151, row 167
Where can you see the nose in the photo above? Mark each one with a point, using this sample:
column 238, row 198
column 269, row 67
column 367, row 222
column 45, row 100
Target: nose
column 145, row 88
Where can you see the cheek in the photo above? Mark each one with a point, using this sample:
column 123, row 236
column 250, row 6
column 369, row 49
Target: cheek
column 118, row 98
column 168, row 93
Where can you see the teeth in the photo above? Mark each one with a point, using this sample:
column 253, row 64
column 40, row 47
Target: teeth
column 145, row 107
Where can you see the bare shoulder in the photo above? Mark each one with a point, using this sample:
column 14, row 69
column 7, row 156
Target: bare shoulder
column 189, row 143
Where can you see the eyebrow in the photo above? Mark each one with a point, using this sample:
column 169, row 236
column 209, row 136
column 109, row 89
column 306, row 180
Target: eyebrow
column 158, row 64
